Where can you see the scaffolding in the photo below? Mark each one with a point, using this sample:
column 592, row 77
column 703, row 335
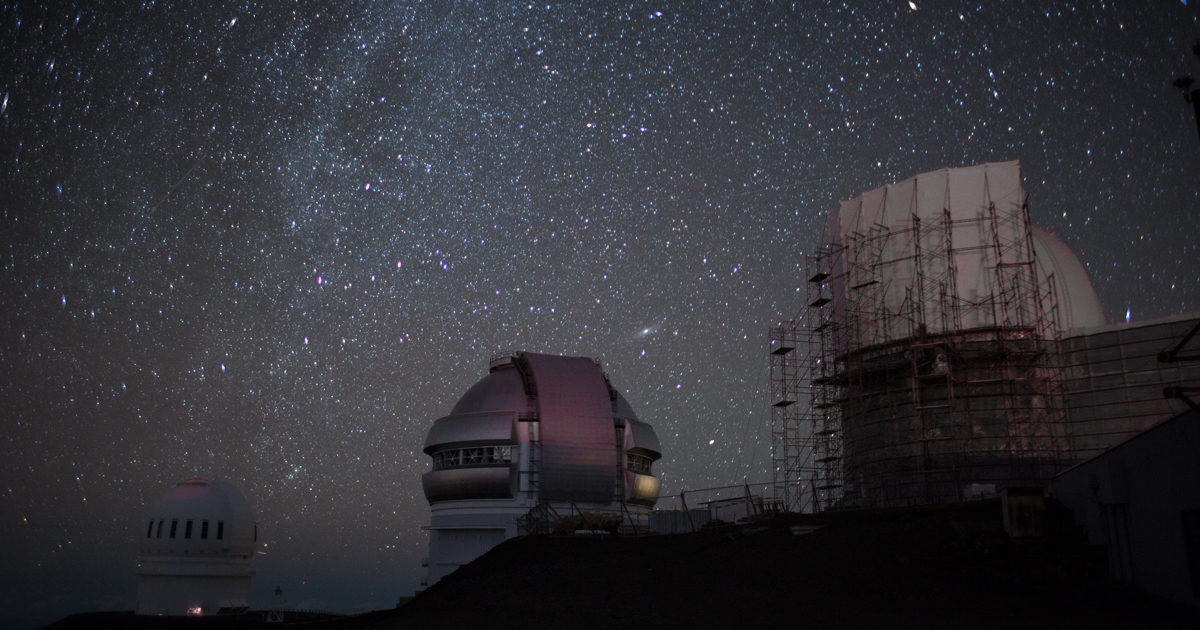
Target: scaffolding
column 787, row 441
column 805, row 405
column 899, row 385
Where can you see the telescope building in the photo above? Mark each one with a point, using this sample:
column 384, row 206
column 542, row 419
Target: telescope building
column 538, row 431
column 948, row 347
column 195, row 556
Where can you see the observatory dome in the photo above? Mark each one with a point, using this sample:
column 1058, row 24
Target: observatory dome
column 949, row 250
column 537, row 430
column 571, row 409
column 195, row 556
column 1078, row 304
column 503, row 389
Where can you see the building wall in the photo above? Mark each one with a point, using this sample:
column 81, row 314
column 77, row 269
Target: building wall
column 1115, row 381
column 1141, row 500
column 179, row 595
column 922, row 419
column 998, row 413
column 451, row 548
column 462, row 530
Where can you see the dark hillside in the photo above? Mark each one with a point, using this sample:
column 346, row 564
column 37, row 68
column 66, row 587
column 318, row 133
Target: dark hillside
column 935, row 567
column 927, row 567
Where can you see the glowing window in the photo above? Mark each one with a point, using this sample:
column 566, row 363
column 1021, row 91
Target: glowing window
column 187, row 529
column 220, row 530
column 174, row 526
column 204, row 529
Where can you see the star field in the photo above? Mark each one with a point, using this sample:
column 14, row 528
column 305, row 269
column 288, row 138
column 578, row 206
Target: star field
column 272, row 242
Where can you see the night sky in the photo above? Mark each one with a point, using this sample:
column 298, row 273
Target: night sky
column 273, row 242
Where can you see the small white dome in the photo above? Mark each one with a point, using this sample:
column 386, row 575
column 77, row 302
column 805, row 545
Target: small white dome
column 196, row 554
column 199, row 517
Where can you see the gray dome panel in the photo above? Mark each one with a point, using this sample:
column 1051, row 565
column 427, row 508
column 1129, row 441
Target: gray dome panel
column 472, row 429
column 500, row 390
column 578, row 434
column 645, row 441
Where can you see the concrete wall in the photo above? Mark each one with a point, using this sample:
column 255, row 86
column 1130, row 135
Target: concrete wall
column 452, row 548
column 180, row 595
column 918, row 431
column 1139, row 499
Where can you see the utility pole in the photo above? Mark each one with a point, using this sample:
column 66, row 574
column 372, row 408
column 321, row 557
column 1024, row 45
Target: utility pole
column 1191, row 95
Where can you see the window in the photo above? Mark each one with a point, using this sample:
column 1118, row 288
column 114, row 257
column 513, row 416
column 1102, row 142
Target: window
column 187, row 529
column 150, row 530
column 638, row 463
column 220, row 530
column 256, row 532
column 174, row 526
column 160, row 522
column 204, row 529
column 479, row 456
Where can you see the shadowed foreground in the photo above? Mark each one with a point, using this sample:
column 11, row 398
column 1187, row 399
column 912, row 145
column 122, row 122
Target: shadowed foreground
column 931, row 567
column 917, row 568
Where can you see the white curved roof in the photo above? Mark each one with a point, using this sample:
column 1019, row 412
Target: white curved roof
column 931, row 248
column 230, row 531
column 1078, row 303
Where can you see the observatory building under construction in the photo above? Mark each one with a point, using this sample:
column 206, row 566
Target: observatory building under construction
column 948, row 347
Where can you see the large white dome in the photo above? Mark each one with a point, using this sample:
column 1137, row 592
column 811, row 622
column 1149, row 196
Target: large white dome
column 1078, row 304
column 946, row 251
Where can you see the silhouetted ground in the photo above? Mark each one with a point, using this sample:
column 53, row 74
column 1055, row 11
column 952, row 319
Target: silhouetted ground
column 254, row 620
column 932, row 567
column 928, row 567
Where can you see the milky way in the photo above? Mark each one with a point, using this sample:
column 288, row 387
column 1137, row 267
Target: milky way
column 273, row 243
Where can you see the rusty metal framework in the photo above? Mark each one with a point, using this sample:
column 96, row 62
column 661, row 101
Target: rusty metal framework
column 899, row 387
